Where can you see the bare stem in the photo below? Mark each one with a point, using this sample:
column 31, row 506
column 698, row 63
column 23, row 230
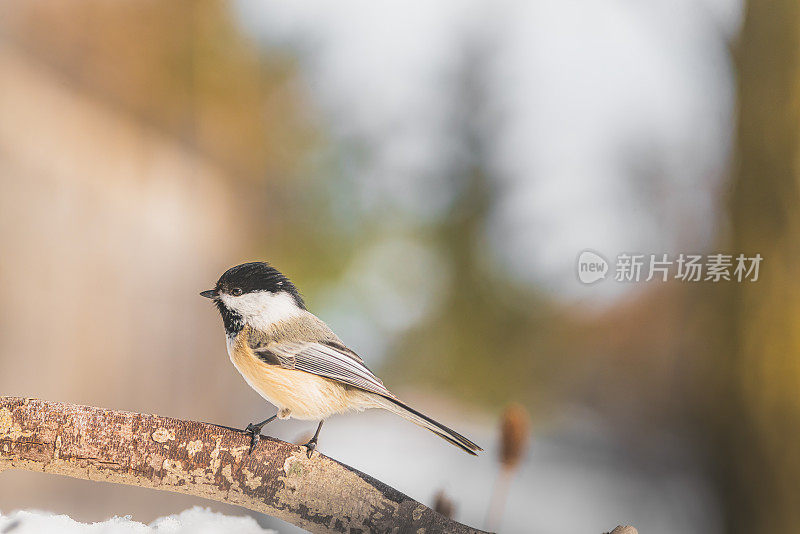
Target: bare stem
column 497, row 504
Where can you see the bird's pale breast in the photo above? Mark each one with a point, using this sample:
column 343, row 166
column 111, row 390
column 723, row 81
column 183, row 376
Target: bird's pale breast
column 305, row 395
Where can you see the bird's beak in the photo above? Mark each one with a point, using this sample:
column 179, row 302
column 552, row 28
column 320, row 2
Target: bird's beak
column 209, row 294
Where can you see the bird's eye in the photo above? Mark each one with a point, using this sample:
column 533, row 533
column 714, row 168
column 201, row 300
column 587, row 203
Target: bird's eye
column 236, row 291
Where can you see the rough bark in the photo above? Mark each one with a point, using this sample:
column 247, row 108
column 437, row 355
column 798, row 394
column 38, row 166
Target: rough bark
column 209, row 461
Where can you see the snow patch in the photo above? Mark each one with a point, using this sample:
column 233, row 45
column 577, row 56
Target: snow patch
column 195, row 521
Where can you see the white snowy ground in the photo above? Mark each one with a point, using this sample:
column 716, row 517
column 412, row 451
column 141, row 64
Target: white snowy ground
column 195, row 521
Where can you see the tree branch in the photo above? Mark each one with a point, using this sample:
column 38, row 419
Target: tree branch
column 209, row 461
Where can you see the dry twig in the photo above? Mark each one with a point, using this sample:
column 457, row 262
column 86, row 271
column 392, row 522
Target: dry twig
column 209, row 461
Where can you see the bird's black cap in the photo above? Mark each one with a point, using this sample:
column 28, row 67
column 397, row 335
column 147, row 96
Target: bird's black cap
column 252, row 277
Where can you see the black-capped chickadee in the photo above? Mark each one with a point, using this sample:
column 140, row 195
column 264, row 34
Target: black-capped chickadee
column 295, row 361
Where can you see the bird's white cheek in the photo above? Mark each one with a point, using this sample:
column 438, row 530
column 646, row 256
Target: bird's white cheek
column 261, row 309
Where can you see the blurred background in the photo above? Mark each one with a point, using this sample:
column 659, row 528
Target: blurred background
column 427, row 174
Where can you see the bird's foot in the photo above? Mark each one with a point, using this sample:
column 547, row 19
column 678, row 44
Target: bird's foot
column 311, row 446
column 255, row 432
column 255, row 435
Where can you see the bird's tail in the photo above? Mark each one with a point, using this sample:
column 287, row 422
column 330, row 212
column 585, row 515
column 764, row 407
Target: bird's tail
column 407, row 412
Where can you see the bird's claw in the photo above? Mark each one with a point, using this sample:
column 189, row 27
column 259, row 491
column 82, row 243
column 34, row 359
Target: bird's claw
column 255, row 435
column 255, row 432
column 311, row 446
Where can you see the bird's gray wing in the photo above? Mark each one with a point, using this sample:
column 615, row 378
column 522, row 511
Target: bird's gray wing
column 326, row 360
